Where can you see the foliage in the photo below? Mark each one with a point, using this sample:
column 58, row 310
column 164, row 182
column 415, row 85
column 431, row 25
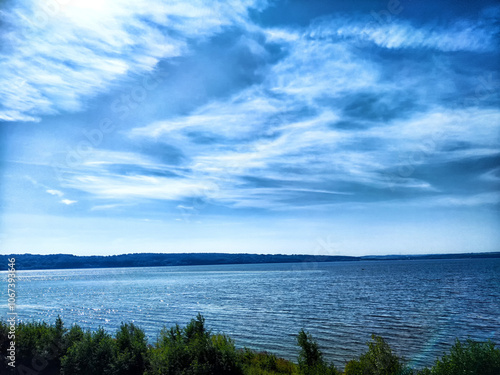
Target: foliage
column 193, row 350
column 39, row 345
column 4, row 346
column 311, row 360
column 94, row 354
column 98, row 353
column 266, row 364
column 132, row 349
column 378, row 360
column 469, row 358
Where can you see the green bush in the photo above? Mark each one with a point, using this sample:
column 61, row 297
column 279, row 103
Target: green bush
column 471, row 358
column 39, row 346
column 95, row 354
column 266, row 364
column 311, row 360
column 193, row 350
column 98, row 353
column 132, row 349
column 4, row 346
column 378, row 360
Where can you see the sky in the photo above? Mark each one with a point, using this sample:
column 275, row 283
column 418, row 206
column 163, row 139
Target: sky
column 293, row 127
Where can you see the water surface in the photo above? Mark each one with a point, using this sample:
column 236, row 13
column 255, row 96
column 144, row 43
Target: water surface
column 418, row 306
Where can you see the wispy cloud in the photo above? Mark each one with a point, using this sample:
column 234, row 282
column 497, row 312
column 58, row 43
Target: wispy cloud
column 55, row 56
column 145, row 187
column 55, row 192
column 106, row 207
column 325, row 124
column 463, row 35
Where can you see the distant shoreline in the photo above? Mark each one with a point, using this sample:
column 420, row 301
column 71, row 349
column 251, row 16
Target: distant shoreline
column 67, row 261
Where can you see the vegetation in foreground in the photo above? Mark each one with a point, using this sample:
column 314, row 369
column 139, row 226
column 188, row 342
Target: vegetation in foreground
column 193, row 350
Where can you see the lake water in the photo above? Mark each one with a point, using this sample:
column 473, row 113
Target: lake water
column 418, row 306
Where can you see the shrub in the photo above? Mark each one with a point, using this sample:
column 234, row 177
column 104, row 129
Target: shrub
column 4, row 346
column 471, row 358
column 266, row 364
column 40, row 346
column 311, row 360
column 94, row 354
column 193, row 350
column 73, row 335
column 132, row 350
column 378, row 360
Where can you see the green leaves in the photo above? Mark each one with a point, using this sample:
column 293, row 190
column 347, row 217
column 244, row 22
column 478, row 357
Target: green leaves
column 378, row 360
column 98, row 353
column 309, row 355
column 311, row 360
column 94, row 354
column 132, row 349
column 469, row 358
column 195, row 350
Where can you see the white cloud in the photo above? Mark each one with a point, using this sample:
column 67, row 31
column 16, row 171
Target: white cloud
column 277, row 35
column 100, row 158
column 470, row 200
column 439, row 126
column 307, row 147
column 68, row 201
column 284, row 128
column 316, row 68
column 105, row 207
column 55, row 192
column 463, row 35
column 456, row 200
column 64, row 52
column 144, row 187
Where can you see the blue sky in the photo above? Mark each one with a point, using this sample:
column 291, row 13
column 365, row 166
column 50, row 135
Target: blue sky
column 319, row 127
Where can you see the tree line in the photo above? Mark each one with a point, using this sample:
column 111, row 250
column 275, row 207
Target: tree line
column 68, row 261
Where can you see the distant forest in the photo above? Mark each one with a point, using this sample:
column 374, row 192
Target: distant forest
column 60, row 261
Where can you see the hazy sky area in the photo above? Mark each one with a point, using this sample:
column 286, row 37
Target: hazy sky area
column 320, row 127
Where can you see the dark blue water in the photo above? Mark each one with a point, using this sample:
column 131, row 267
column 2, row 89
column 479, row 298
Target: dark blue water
column 418, row 306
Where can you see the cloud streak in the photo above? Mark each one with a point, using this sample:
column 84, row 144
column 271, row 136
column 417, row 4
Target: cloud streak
column 55, row 57
column 463, row 35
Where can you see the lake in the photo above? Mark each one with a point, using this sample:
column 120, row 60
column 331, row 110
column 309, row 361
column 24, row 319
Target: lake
column 419, row 306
